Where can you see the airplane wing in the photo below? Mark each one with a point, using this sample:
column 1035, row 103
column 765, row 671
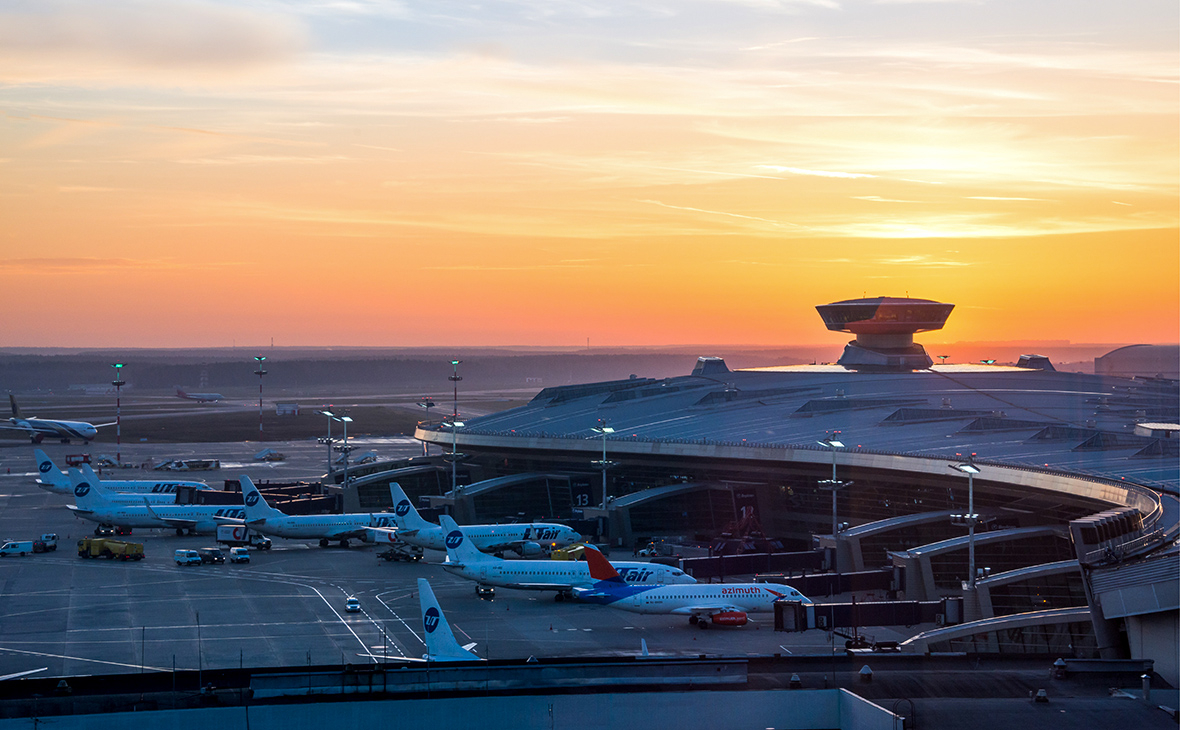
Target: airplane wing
column 345, row 533
column 707, row 608
column 170, row 521
column 538, row 586
column 78, row 510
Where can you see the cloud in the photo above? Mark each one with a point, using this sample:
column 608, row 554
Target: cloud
column 161, row 42
column 78, row 265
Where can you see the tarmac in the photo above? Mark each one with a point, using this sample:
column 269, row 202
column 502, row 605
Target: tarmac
column 286, row 607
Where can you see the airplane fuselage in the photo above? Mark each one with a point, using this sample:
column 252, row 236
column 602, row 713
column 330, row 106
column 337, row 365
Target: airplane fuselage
column 559, row 574
column 329, row 527
column 698, row 599
column 496, row 537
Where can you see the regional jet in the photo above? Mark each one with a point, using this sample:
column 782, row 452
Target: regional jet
column 199, row 397
column 527, row 538
column 54, row 480
column 261, row 517
column 38, row 428
column 723, row 604
column 93, row 503
column 563, row 576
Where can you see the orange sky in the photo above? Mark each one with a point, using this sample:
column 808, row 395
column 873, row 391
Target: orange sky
column 200, row 174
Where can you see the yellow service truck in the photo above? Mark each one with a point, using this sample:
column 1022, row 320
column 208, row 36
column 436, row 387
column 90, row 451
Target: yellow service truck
column 101, row 547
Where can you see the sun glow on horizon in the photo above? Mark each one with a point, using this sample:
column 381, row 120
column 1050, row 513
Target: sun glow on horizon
column 198, row 172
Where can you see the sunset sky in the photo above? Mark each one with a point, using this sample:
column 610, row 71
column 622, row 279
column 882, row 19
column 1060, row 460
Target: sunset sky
column 541, row 172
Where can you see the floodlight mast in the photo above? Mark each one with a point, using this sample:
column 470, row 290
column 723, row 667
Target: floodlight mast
column 118, row 382
column 833, row 441
column 260, row 372
column 603, row 430
column 456, row 424
column 328, row 440
column 970, row 469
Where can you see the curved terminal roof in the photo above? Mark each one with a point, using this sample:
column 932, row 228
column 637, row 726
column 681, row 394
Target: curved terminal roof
column 1031, row 418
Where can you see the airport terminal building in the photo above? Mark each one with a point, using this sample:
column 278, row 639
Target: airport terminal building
column 1059, row 488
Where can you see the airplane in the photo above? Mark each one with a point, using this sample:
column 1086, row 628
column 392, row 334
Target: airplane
column 267, row 520
column 526, row 538
column 563, row 576
column 54, row 480
column 93, row 503
column 199, row 397
column 39, row 428
column 723, row 604
column 441, row 645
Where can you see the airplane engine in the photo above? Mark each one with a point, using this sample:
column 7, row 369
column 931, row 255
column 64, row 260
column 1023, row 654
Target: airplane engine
column 730, row 618
column 529, row 549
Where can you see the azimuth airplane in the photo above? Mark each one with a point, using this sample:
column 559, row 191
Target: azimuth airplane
column 724, row 604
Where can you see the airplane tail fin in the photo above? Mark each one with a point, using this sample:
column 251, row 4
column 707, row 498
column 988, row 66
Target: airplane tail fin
column 15, row 408
column 440, row 640
column 89, row 473
column 51, row 476
column 180, row 392
column 459, row 547
column 600, row 567
column 255, row 503
column 406, row 517
column 87, row 495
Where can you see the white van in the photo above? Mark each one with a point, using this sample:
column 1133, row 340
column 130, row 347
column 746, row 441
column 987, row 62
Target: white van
column 187, row 557
column 16, row 547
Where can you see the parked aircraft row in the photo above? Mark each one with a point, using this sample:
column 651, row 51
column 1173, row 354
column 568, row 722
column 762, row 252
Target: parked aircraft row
column 54, row 480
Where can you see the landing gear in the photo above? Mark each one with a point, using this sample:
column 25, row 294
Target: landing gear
column 561, row 596
column 702, row 624
column 323, row 542
column 693, row 619
column 180, row 532
column 344, row 543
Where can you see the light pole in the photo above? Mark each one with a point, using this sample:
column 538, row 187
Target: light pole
column 970, row 519
column 118, row 382
column 603, row 430
column 344, row 447
column 328, row 439
column 833, row 441
column 454, row 456
column 260, row 372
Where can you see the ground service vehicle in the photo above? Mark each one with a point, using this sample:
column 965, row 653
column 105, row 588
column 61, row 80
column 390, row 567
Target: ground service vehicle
column 242, row 536
column 187, row 557
column 46, row 543
column 99, row 547
column 398, row 552
column 239, row 555
column 212, row 555
column 16, row 547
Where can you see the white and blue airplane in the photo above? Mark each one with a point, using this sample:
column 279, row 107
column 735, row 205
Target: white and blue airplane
column 38, row 428
column 562, row 576
column 93, row 503
column 263, row 518
column 723, row 604
column 524, row 538
column 54, row 480
column 441, row 645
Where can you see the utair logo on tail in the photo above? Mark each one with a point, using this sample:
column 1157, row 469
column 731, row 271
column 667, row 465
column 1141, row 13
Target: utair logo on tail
column 82, row 490
column 251, row 499
column 430, row 620
column 403, row 508
column 45, row 466
column 454, row 539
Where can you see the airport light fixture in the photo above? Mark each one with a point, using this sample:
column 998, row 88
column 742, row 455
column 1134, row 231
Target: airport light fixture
column 118, row 382
column 260, row 372
column 833, row 441
column 454, row 456
column 604, row 431
column 970, row 519
column 328, row 439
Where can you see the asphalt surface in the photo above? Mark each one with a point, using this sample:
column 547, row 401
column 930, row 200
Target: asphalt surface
column 286, row 607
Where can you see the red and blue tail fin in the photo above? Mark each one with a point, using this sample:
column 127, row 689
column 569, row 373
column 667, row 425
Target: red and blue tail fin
column 600, row 567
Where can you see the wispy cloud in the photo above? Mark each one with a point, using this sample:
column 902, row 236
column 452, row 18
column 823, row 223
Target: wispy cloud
column 816, row 173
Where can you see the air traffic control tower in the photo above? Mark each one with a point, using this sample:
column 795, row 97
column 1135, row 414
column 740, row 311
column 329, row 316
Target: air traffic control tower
column 884, row 329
